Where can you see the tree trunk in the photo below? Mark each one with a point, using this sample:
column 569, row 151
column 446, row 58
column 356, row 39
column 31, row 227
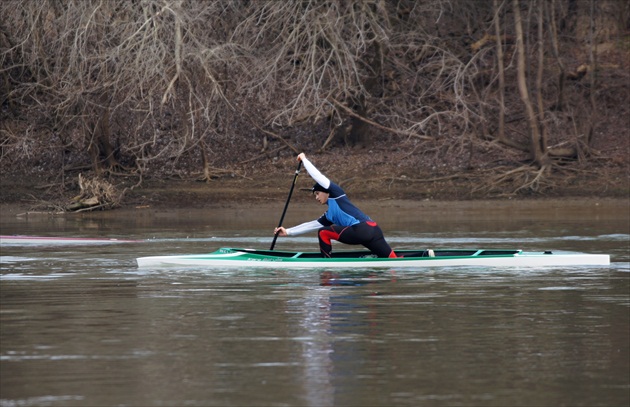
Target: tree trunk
column 359, row 128
column 100, row 148
column 539, row 78
column 501, row 68
column 538, row 155
column 592, row 77
column 556, row 52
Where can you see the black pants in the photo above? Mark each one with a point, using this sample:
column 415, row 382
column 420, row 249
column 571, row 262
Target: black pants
column 368, row 234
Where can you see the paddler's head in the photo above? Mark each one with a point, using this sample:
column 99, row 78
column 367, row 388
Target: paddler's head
column 321, row 193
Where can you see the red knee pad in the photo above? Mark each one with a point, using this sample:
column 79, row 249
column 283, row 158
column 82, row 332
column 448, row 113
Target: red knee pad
column 327, row 235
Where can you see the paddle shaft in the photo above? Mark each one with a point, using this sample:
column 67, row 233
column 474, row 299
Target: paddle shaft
column 286, row 205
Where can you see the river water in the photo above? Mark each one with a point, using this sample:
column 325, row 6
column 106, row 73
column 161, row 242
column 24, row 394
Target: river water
column 81, row 325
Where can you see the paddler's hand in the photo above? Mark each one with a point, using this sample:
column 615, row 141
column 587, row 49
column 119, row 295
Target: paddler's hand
column 281, row 231
column 301, row 156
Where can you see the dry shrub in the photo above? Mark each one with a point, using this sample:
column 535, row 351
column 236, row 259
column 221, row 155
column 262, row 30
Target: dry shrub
column 173, row 87
column 95, row 193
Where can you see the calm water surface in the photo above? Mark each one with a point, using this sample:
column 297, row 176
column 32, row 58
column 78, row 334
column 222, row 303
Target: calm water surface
column 83, row 326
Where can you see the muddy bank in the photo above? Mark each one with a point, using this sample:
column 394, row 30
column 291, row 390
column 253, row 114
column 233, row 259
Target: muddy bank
column 23, row 194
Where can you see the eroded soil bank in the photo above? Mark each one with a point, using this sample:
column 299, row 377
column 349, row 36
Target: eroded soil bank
column 271, row 184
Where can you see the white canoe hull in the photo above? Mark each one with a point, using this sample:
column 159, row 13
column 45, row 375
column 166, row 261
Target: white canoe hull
column 245, row 259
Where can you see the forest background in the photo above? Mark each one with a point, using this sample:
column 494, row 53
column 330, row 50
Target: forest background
column 109, row 103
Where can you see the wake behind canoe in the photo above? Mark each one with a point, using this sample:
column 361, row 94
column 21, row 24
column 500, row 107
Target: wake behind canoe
column 56, row 240
column 245, row 258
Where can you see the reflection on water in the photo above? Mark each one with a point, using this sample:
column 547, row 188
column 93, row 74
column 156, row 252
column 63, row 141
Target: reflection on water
column 83, row 326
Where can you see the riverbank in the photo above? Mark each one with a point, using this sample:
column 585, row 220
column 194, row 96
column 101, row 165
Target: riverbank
column 271, row 186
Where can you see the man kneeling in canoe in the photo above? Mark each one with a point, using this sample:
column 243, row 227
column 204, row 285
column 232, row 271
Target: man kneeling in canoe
column 342, row 221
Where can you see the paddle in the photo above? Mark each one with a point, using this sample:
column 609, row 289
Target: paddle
column 286, row 205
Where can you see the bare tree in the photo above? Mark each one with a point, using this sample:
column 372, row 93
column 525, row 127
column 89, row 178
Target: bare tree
column 501, row 71
column 97, row 64
column 538, row 155
column 190, row 88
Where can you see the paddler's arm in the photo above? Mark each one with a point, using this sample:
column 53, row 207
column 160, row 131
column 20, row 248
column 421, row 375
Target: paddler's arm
column 314, row 172
column 299, row 229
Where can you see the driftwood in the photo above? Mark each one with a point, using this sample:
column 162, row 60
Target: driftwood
column 96, row 193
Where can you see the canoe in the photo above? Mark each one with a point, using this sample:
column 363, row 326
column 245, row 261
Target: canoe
column 52, row 240
column 246, row 258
